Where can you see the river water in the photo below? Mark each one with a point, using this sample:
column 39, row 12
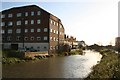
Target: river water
column 75, row 66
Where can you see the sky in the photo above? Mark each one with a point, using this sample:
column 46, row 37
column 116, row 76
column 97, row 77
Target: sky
column 94, row 21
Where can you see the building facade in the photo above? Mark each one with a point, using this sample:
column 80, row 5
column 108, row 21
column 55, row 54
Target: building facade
column 71, row 41
column 31, row 27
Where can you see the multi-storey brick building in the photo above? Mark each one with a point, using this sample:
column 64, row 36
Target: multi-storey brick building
column 31, row 27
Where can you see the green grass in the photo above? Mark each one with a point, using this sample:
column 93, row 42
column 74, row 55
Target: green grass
column 109, row 66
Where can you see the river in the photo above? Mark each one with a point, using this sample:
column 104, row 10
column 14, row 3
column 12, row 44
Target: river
column 75, row 66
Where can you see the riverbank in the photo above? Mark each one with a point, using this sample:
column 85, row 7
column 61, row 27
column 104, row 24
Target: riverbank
column 14, row 59
column 108, row 68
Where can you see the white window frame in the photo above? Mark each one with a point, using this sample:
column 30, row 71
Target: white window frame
column 18, row 38
column 32, row 38
column 51, row 38
column 9, row 38
column 18, row 30
column 45, row 29
column 3, row 16
column 2, row 23
column 32, row 13
column 2, row 31
column 38, row 21
column 26, row 38
column 26, row 13
column 32, row 21
column 10, row 15
column 45, row 38
column 9, row 31
column 54, row 39
column 38, row 12
column 19, row 22
column 38, row 30
column 19, row 14
column 54, row 31
column 26, row 22
column 38, row 38
column 51, row 21
column 26, row 30
column 10, row 23
column 51, row 30
column 32, row 30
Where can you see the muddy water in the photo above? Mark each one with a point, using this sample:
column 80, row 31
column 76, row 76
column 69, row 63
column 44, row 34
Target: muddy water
column 75, row 66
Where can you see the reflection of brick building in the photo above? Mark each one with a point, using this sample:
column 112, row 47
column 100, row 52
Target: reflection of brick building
column 31, row 27
column 117, row 43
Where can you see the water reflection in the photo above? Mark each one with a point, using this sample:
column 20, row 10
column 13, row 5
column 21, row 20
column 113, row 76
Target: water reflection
column 76, row 66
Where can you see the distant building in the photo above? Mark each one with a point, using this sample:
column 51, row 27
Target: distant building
column 71, row 41
column 31, row 27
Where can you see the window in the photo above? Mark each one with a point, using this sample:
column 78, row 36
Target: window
column 19, row 14
column 3, row 24
column 45, row 47
column 38, row 30
column 9, row 38
column 10, row 15
column 60, row 26
column 32, row 13
column 51, row 38
column 38, row 38
column 45, row 29
column 45, row 37
column 26, row 30
column 2, row 31
column 18, row 38
column 18, row 30
column 38, row 21
column 26, row 21
column 10, row 23
column 54, row 39
column 51, row 21
column 18, row 22
column 3, row 16
column 26, row 13
column 38, row 13
column 51, row 47
column 54, row 31
column 26, row 38
column 9, row 31
column 50, row 30
column 32, row 38
column 54, row 22
column 57, row 24
column 32, row 30
column 32, row 21
column 60, row 33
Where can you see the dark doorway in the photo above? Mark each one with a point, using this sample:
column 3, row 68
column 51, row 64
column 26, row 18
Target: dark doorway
column 14, row 46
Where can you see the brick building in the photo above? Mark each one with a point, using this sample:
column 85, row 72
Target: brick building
column 31, row 27
column 71, row 41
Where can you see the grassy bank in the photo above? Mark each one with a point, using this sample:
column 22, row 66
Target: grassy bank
column 11, row 56
column 108, row 68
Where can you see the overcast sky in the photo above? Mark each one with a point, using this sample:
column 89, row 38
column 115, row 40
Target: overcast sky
column 94, row 21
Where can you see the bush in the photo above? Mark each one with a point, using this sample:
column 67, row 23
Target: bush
column 109, row 66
